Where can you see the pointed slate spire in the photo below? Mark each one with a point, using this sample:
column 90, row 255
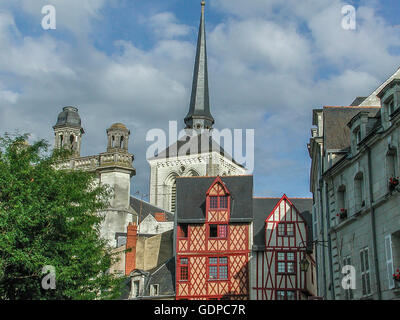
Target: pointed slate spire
column 199, row 116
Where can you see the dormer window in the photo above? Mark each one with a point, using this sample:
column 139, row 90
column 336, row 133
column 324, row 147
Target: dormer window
column 358, row 135
column 391, row 107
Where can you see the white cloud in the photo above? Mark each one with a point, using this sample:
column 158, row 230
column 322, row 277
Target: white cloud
column 270, row 64
column 165, row 25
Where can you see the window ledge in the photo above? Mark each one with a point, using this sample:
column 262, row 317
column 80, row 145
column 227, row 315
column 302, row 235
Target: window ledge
column 217, row 280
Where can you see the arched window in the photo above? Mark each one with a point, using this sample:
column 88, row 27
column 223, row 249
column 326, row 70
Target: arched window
column 71, row 141
column 359, row 190
column 391, row 163
column 121, row 143
column 170, row 189
column 113, row 142
column 341, row 197
column 61, row 140
column 173, row 197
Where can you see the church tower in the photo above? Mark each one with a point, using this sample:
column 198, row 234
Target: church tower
column 68, row 131
column 198, row 154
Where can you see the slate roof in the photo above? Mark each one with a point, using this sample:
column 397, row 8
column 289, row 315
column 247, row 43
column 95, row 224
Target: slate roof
column 337, row 133
column 191, row 196
column 69, row 117
column 203, row 143
column 147, row 209
column 164, row 276
column 357, row 101
column 262, row 207
column 200, row 100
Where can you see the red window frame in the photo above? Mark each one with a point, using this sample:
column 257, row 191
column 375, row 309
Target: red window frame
column 218, row 202
column 222, row 230
column 285, row 229
column 214, row 265
column 184, row 268
column 285, row 261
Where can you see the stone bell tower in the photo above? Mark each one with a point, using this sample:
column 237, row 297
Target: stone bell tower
column 68, row 131
column 116, row 167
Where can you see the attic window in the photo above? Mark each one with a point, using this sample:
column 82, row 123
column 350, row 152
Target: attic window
column 154, row 290
column 391, row 106
column 358, row 135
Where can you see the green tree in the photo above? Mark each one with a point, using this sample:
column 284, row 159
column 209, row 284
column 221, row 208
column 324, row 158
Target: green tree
column 51, row 217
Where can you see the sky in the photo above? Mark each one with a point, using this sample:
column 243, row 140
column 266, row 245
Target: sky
column 271, row 62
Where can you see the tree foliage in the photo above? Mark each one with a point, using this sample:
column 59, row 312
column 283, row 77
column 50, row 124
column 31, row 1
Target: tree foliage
column 51, row 217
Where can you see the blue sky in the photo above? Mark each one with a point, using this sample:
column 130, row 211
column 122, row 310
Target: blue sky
column 131, row 61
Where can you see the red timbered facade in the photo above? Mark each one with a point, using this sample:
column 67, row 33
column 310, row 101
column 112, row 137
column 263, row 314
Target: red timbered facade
column 212, row 257
column 278, row 275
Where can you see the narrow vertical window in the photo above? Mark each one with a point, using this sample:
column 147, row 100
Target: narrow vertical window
column 173, row 197
column 184, row 269
column 389, row 261
column 365, row 273
column 213, row 202
column 223, row 202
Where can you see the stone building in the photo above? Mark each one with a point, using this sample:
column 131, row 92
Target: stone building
column 113, row 167
column 354, row 169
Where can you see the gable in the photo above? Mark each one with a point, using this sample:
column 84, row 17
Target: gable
column 263, row 207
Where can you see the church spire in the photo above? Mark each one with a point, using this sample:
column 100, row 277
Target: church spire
column 199, row 115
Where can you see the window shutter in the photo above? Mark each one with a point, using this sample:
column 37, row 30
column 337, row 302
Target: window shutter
column 315, row 222
column 389, row 260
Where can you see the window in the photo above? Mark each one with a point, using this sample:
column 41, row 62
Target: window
column 365, row 274
column 173, row 196
column 391, row 106
column 154, row 290
column 136, row 286
column 218, row 202
column 341, row 198
column 218, row 230
column 358, row 135
column 391, row 163
column 348, row 294
column 121, row 143
column 286, row 262
column 213, row 202
column 315, row 221
column 222, row 230
column 218, row 268
column 389, row 261
column 223, row 202
column 183, row 231
column 285, row 295
column 285, row 229
column 359, row 190
column 184, row 269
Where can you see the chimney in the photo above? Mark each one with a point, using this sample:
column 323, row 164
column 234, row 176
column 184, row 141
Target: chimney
column 130, row 256
column 160, row 216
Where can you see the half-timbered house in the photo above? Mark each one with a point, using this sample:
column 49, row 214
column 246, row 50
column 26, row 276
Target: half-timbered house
column 282, row 267
column 213, row 242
